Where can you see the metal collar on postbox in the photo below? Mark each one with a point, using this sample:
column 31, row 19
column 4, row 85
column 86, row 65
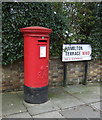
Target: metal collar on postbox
column 36, row 31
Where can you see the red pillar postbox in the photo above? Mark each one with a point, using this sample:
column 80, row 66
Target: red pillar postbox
column 36, row 59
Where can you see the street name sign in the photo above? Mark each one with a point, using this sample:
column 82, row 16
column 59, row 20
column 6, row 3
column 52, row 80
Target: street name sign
column 76, row 52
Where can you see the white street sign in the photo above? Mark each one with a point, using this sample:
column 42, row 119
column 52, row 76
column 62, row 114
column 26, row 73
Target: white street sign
column 76, row 52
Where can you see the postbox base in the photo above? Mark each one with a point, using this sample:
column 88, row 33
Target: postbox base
column 35, row 95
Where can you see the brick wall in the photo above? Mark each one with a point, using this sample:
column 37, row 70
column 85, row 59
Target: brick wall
column 75, row 72
column 55, row 72
column 13, row 75
column 95, row 71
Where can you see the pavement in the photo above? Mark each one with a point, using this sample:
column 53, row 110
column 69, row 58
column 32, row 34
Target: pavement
column 74, row 101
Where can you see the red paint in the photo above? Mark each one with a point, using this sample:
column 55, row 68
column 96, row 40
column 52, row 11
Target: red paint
column 86, row 53
column 35, row 68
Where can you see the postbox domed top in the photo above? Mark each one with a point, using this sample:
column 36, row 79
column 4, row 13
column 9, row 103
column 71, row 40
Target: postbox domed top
column 36, row 29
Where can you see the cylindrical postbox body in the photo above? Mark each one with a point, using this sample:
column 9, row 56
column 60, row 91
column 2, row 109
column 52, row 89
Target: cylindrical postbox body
column 36, row 60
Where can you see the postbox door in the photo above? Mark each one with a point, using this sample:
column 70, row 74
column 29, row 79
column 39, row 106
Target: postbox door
column 43, row 57
column 36, row 62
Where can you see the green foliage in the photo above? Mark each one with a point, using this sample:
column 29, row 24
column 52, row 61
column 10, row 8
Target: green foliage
column 71, row 23
column 95, row 37
column 82, row 19
column 85, row 24
column 19, row 15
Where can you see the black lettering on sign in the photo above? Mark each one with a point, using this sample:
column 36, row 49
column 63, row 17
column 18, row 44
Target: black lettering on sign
column 73, row 48
column 72, row 53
